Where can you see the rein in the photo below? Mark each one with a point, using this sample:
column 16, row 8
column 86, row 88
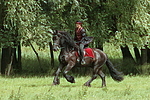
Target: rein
column 58, row 46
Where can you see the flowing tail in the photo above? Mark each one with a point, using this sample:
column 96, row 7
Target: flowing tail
column 116, row 75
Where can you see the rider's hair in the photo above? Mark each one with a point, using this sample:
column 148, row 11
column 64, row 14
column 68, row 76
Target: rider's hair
column 79, row 22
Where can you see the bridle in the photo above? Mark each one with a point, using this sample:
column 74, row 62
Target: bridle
column 58, row 44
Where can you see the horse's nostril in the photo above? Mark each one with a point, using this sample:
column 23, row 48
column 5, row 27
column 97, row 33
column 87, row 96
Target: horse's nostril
column 55, row 49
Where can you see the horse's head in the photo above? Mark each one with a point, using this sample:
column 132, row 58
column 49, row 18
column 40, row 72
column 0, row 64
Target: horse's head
column 56, row 40
column 63, row 40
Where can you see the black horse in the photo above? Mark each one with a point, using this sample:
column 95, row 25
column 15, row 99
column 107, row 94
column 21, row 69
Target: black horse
column 68, row 57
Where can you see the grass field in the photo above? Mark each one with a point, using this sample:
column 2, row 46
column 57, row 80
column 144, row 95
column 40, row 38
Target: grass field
column 33, row 84
column 39, row 88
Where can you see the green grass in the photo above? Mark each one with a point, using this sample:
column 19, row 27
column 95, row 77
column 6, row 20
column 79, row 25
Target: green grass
column 39, row 88
column 33, row 84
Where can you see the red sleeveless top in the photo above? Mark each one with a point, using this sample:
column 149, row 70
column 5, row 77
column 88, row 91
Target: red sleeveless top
column 78, row 34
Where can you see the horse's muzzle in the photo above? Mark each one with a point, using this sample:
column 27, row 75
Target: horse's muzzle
column 55, row 48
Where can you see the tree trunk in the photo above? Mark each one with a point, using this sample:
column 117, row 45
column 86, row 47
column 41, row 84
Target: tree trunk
column 37, row 55
column 127, row 54
column 99, row 46
column 129, row 65
column 148, row 55
column 137, row 55
column 10, row 61
column 4, row 56
column 9, row 69
column 6, row 60
column 143, row 56
column 19, row 59
column 15, row 61
column 51, row 53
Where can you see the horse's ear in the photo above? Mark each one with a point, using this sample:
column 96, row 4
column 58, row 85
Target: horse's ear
column 58, row 33
column 54, row 32
column 50, row 31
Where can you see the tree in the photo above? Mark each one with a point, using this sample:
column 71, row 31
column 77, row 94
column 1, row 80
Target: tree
column 132, row 24
column 6, row 40
column 126, row 21
column 19, row 24
column 120, row 22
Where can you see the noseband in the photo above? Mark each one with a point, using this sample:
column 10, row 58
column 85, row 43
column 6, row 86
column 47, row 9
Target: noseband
column 56, row 44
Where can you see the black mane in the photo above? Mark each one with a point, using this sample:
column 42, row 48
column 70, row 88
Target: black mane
column 67, row 41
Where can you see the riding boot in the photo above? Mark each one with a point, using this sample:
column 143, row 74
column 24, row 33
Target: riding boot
column 82, row 54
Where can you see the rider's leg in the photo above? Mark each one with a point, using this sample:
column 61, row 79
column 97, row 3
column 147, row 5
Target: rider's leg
column 82, row 53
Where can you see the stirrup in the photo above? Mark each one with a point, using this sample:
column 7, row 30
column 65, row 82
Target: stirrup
column 83, row 62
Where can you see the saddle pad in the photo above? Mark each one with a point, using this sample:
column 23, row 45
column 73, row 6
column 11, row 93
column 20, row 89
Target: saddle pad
column 88, row 52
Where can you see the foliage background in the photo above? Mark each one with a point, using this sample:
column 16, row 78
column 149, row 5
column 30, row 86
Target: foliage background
column 120, row 23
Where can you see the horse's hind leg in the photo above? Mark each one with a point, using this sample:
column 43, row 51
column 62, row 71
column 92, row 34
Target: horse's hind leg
column 88, row 83
column 94, row 76
column 102, row 75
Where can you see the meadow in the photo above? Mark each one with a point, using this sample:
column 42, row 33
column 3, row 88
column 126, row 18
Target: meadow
column 34, row 84
column 40, row 88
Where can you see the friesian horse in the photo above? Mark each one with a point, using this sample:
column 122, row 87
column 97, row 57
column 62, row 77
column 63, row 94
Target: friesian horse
column 68, row 59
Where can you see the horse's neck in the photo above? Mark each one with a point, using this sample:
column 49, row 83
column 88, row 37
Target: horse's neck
column 63, row 50
column 66, row 50
column 65, row 46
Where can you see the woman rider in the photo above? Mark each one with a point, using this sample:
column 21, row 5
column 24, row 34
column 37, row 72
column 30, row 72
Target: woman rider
column 80, row 35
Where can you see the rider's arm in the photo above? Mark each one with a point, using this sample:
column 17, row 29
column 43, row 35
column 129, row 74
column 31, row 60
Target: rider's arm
column 83, row 33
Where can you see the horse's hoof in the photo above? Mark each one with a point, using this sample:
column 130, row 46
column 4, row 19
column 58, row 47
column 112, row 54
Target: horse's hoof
column 72, row 81
column 88, row 85
column 103, row 87
column 54, row 84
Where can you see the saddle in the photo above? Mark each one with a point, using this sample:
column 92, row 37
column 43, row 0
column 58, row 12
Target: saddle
column 88, row 52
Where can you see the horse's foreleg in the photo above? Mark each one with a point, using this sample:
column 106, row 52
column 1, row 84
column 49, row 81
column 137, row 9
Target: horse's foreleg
column 56, row 80
column 68, row 77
